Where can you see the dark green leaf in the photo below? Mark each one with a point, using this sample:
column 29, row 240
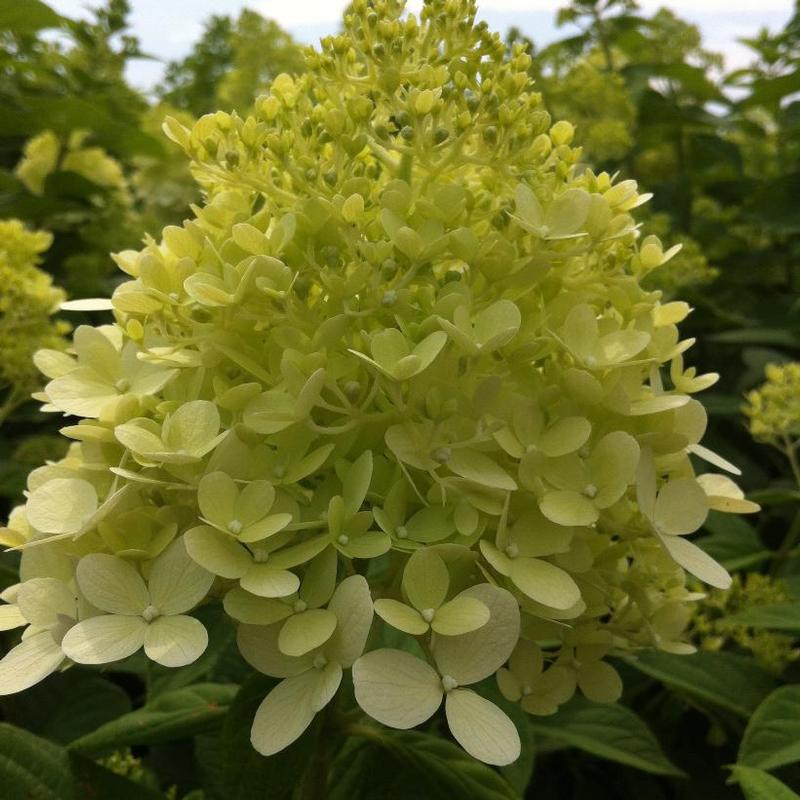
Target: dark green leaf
column 173, row 715
column 772, row 737
column 727, row 680
column 778, row 617
column 246, row 772
column 449, row 773
column 612, row 731
column 69, row 705
column 32, row 768
column 759, row 785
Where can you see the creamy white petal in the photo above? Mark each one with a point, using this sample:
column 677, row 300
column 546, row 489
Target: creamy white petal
column 101, row 640
column 396, row 688
column 481, row 728
column 175, row 641
column 29, row 662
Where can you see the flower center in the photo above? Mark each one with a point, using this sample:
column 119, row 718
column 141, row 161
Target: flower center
column 402, row 532
column 320, row 662
column 299, row 606
column 449, row 683
column 122, row 385
column 512, row 551
column 235, row 527
column 150, row 613
column 590, row 490
column 343, row 539
column 441, row 454
column 428, row 614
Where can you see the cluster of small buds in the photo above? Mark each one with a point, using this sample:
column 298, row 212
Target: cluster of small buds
column 396, row 387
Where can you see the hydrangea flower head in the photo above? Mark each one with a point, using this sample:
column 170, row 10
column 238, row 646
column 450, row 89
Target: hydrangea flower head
column 397, row 388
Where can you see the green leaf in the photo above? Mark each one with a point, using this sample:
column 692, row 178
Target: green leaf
column 32, row 768
column 759, row 785
column 449, row 773
column 246, row 773
column 613, row 732
column 69, row 705
column 27, row 17
column 772, row 737
column 173, row 715
column 726, row 680
column 777, row 617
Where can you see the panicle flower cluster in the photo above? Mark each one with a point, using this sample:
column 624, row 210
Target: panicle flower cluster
column 396, row 387
column 773, row 409
column 712, row 630
column 28, row 301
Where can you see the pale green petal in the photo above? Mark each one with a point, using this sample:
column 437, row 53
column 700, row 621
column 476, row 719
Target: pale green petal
column 319, row 579
column 545, row 583
column 460, row 615
column 42, row 600
column 101, row 640
column 254, row 610
column 138, row 439
column 474, row 656
column 175, row 641
column 564, row 436
column 600, row 682
column 193, row 427
column 11, row 617
column 306, row 631
column 254, row 503
column 265, row 528
column 81, row 392
column 697, row 562
column 646, row 483
column 580, row 330
column 425, row 579
column 612, row 466
column 568, row 508
column 177, row 583
column 509, row 685
column 216, row 495
column 481, row 728
column 267, row 581
column 352, row 605
column 369, row 545
column 681, row 507
column 218, row 553
column 31, row 661
column 111, row 584
column 356, row 483
column 62, row 505
column 478, row 467
column 329, row 678
column 285, row 713
column 388, row 347
column 427, row 350
column 401, row 616
column 497, row 325
column 297, row 554
column 258, row 645
column 396, row 688
column 430, row 524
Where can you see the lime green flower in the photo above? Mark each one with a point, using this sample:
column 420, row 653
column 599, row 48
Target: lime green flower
column 399, row 367
column 139, row 614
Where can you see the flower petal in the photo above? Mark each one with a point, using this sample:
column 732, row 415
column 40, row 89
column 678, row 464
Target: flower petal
column 175, row 641
column 176, row 582
column 111, row 584
column 352, row 605
column 304, row 632
column 474, row 656
column 217, row 552
column 258, row 645
column 285, row 713
column 32, row 660
column 545, row 583
column 481, row 728
column 396, row 688
column 460, row 615
column 101, row 640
